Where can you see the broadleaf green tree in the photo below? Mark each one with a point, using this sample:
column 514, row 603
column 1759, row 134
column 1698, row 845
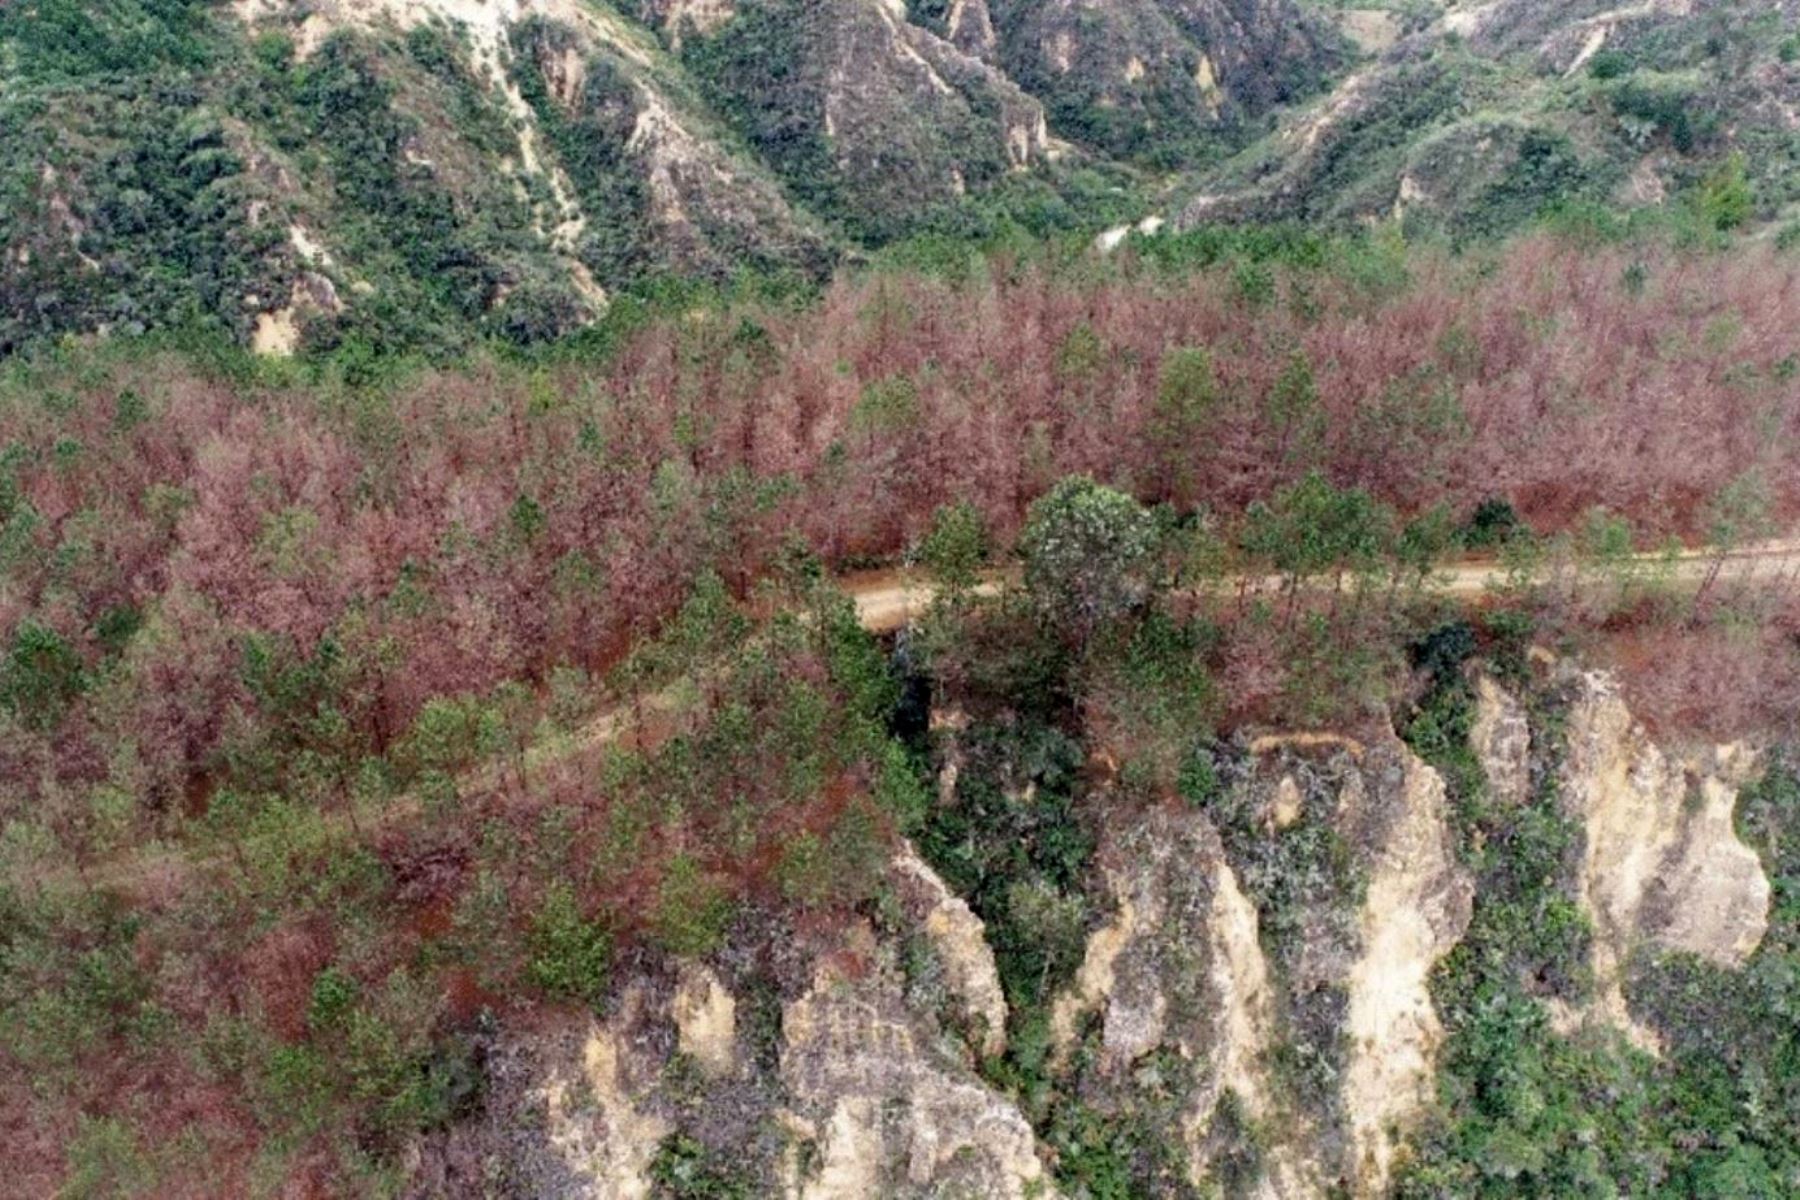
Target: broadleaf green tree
column 1090, row 555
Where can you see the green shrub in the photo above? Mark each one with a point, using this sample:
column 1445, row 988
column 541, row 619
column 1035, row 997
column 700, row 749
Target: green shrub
column 1724, row 199
column 107, row 1159
column 956, row 546
column 40, row 675
column 569, row 956
column 685, row 1169
column 1609, row 64
column 692, row 911
column 1493, row 523
column 1313, row 528
column 1670, row 108
column 1012, row 843
column 333, row 995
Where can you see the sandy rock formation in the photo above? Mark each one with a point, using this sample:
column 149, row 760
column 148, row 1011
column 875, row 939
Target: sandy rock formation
column 959, row 939
column 594, row 1111
column 705, row 1016
column 1123, row 73
column 864, row 1094
column 1662, row 862
column 1187, row 989
column 1180, row 919
column 1501, row 739
column 1418, row 905
column 888, row 1111
column 1179, row 967
column 969, row 26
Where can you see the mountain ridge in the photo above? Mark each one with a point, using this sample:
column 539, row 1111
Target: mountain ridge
column 299, row 173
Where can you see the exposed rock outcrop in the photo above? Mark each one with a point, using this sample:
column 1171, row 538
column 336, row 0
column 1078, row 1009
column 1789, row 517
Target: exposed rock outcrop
column 873, row 118
column 1179, row 969
column 597, row 139
column 684, row 199
column 1662, row 864
column 1501, row 739
column 969, row 26
column 679, row 19
column 705, row 1016
column 847, row 1089
column 596, row 1117
column 1180, row 977
column 1463, row 120
column 1418, row 905
column 1143, row 76
column 888, row 1111
column 1295, row 918
column 957, row 936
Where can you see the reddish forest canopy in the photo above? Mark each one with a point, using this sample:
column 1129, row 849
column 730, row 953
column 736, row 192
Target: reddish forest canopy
column 471, row 525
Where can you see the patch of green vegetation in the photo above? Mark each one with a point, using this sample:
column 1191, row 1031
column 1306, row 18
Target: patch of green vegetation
column 1121, row 1155
column 1419, row 100
column 591, row 143
column 1733, row 1051
column 1546, row 171
column 1011, row 843
column 750, row 71
column 349, row 108
column 1526, row 1111
column 1526, row 932
column 161, row 202
column 1650, row 106
column 570, row 955
column 72, row 40
column 684, row 1169
column 39, row 675
column 766, row 73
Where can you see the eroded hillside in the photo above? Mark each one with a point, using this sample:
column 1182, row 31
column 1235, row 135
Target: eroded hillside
column 1241, row 989
column 297, row 174
column 1473, row 116
column 1287, row 744
column 300, row 172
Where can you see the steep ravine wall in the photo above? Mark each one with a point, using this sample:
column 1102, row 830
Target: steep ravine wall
column 1226, row 950
column 1200, row 972
column 1661, row 865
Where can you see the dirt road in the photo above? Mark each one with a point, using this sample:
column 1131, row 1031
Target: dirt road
column 888, row 600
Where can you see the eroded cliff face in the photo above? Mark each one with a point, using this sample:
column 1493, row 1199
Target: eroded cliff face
column 1146, row 77
column 880, row 1106
column 548, row 153
column 1254, row 998
column 1177, row 973
column 957, row 938
column 1417, row 907
column 871, row 119
column 1662, row 865
column 1187, row 973
column 821, row 1075
column 1460, row 115
column 620, row 169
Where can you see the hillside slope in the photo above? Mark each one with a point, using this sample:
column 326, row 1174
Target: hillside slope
column 298, row 172
column 423, row 175
column 1474, row 116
